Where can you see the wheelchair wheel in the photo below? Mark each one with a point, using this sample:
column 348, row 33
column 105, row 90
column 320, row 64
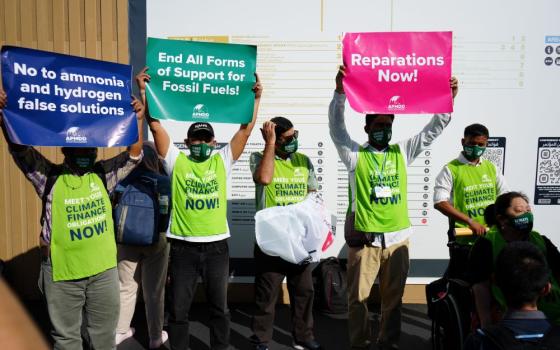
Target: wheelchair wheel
column 447, row 330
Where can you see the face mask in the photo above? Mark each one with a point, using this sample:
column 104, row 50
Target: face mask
column 289, row 147
column 380, row 137
column 522, row 223
column 473, row 152
column 83, row 162
column 201, row 151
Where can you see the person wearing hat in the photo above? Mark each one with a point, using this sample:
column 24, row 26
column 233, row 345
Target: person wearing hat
column 198, row 229
column 277, row 168
column 78, row 275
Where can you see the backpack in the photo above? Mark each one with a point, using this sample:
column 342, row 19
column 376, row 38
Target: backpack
column 329, row 280
column 136, row 211
column 502, row 338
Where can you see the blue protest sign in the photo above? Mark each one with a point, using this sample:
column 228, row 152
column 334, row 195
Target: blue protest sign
column 62, row 100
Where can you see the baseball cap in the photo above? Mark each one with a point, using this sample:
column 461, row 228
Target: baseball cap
column 200, row 127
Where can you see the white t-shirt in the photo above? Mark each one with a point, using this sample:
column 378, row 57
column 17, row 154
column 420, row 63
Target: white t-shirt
column 169, row 164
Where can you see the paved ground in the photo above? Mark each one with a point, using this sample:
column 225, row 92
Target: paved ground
column 330, row 332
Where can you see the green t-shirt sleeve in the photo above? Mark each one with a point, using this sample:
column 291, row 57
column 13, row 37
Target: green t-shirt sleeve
column 254, row 160
column 312, row 183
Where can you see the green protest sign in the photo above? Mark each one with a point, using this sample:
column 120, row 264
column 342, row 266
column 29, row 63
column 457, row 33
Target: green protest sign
column 200, row 81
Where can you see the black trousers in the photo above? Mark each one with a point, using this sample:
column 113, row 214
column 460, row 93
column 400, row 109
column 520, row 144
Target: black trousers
column 269, row 274
column 188, row 262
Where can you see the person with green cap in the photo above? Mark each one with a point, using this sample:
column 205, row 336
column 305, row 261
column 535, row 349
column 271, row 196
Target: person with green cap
column 282, row 177
column 377, row 227
column 198, row 229
column 463, row 189
column 78, row 274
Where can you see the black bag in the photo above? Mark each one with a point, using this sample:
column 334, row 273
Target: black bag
column 449, row 307
column 329, row 280
column 502, row 338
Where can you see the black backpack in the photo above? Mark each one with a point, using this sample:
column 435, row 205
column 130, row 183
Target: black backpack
column 502, row 338
column 329, row 281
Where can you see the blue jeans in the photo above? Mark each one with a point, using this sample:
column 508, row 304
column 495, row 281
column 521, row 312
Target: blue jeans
column 188, row 262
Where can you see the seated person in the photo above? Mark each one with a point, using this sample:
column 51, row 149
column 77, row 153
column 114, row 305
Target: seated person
column 512, row 221
column 523, row 277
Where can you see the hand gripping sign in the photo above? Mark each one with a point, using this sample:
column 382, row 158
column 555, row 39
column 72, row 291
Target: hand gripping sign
column 201, row 81
column 398, row 72
column 62, row 100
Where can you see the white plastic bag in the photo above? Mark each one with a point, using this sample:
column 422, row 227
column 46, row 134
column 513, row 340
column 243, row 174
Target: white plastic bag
column 298, row 233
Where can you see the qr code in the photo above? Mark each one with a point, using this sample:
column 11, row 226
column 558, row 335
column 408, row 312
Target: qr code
column 496, row 156
column 548, row 166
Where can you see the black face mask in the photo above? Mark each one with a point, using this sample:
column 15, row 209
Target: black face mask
column 522, row 223
column 82, row 163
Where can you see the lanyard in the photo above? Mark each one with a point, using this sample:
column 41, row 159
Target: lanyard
column 376, row 168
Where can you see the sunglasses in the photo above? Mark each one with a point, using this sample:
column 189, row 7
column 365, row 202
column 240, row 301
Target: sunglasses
column 289, row 139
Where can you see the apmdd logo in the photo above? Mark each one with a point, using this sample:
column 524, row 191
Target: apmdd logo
column 200, row 111
column 395, row 104
column 73, row 135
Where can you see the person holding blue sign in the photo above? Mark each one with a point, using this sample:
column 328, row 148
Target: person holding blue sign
column 198, row 230
column 79, row 256
column 377, row 227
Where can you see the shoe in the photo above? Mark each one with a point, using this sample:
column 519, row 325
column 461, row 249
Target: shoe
column 261, row 346
column 156, row 344
column 120, row 337
column 307, row 345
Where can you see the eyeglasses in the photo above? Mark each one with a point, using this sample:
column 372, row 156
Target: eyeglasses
column 281, row 140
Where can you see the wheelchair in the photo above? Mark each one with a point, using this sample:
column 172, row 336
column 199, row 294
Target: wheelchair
column 450, row 300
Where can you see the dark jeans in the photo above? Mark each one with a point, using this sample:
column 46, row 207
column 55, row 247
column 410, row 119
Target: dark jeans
column 188, row 262
column 270, row 272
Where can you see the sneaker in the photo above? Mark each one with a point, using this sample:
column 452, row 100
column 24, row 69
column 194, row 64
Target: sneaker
column 156, row 344
column 120, row 337
column 261, row 346
column 307, row 345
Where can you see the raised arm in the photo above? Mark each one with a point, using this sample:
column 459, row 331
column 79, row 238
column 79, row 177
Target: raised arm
column 161, row 137
column 419, row 142
column 31, row 162
column 140, row 110
column 239, row 140
column 337, row 128
column 265, row 170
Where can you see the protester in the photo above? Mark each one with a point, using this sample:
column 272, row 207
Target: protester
column 463, row 189
column 512, row 221
column 377, row 228
column 522, row 274
column 145, row 264
column 78, row 269
column 282, row 177
column 198, row 229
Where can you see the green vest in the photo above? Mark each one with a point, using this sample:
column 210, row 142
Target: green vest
column 199, row 198
column 381, row 169
column 474, row 188
column 550, row 304
column 289, row 182
column 83, row 236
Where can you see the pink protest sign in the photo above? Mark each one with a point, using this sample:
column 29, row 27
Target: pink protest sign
column 398, row 72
